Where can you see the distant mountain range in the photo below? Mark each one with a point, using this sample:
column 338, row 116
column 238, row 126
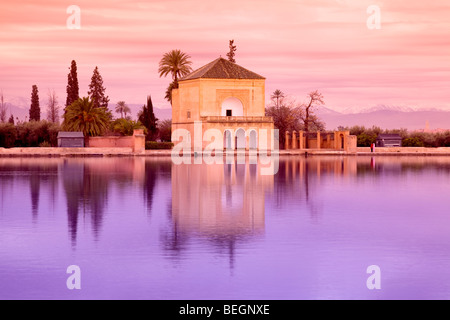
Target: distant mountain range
column 386, row 117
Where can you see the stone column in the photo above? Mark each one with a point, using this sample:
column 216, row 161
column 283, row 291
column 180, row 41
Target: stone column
column 336, row 140
column 294, row 139
column 318, row 139
column 301, row 144
column 286, row 141
column 345, row 135
column 138, row 141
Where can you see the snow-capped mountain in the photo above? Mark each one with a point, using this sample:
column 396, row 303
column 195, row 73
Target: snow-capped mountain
column 389, row 119
column 383, row 107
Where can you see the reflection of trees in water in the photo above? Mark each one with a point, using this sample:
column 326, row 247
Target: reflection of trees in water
column 228, row 243
column 39, row 174
column 86, row 189
column 172, row 239
column 154, row 170
column 396, row 166
column 297, row 179
column 35, row 181
column 6, row 181
column 87, row 185
column 95, row 195
column 47, row 180
column 72, row 176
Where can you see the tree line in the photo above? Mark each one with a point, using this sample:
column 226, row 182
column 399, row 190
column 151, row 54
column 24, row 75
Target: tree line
column 290, row 115
column 367, row 136
column 89, row 114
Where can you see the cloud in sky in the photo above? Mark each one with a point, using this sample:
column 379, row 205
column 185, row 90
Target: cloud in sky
column 299, row 46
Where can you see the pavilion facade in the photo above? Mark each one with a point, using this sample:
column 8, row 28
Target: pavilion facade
column 226, row 97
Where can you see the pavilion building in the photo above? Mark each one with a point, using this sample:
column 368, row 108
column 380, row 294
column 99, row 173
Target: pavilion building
column 224, row 96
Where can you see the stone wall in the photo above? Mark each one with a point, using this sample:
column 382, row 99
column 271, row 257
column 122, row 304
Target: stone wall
column 337, row 140
column 136, row 142
column 406, row 150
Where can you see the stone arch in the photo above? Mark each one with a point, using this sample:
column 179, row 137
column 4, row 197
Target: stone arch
column 227, row 139
column 232, row 106
column 240, row 139
column 252, row 139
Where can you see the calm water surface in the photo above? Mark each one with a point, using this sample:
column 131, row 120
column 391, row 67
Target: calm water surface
column 144, row 228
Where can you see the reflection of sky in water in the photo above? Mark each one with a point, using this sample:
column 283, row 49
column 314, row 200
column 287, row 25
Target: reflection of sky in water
column 142, row 228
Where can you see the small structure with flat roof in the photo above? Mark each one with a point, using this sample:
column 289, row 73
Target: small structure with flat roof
column 389, row 140
column 68, row 139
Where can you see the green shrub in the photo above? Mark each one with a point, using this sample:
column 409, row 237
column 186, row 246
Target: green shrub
column 33, row 133
column 428, row 139
column 443, row 139
column 412, row 142
column 165, row 130
column 8, row 134
column 45, row 144
column 365, row 140
column 126, row 127
column 53, row 130
column 152, row 145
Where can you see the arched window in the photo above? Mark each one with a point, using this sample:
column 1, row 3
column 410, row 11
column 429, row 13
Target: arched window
column 253, row 141
column 240, row 139
column 232, row 107
column 227, row 136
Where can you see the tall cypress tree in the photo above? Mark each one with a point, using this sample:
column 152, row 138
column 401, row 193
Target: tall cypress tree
column 72, row 84
column 97, row 91
column 35, row 110
column 148, row 119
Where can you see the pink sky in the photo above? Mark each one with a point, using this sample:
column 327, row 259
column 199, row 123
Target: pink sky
column 299, row 46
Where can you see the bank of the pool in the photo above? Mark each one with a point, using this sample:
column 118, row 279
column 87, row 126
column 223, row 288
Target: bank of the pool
column 111, row 152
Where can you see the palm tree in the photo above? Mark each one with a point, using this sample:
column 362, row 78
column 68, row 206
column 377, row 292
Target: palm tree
column 176, row 63
column 277, row 95
column 122, row 108
column 83, row 116
column 126, row 127
column 169, row 89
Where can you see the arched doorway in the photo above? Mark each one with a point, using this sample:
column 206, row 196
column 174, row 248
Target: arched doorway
column 232, row 107
column 342, row 140
column 227, row 140
column 240, row 139
column 253, row 141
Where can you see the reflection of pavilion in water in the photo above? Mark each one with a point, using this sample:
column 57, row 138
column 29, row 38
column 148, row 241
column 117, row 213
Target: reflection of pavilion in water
column 222, row 202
